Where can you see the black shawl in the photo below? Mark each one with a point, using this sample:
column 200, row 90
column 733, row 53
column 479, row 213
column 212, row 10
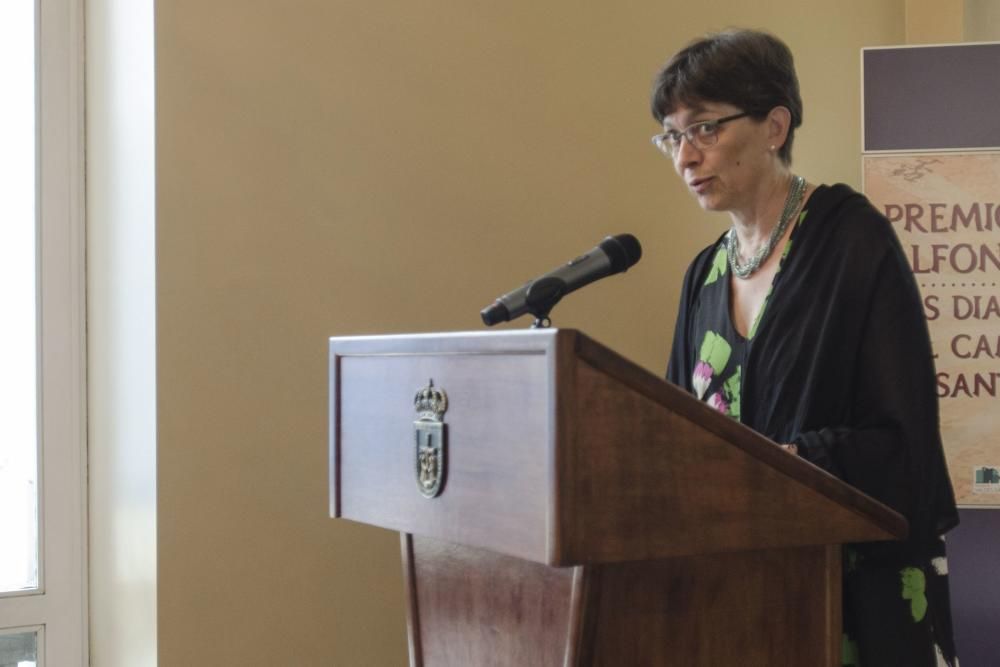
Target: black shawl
column 841, row 361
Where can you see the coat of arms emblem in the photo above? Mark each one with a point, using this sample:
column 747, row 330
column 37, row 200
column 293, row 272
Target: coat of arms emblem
column 430, row 431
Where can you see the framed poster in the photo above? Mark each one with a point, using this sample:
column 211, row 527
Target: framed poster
column 945, row 209
column 931, row 164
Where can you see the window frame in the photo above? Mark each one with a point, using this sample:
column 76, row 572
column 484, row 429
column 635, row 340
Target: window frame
column 59, row 604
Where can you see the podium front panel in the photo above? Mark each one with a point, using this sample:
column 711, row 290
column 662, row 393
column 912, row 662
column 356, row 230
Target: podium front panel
column 498, row 427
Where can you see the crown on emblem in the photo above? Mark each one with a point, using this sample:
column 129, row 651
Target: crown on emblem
column 431, row 402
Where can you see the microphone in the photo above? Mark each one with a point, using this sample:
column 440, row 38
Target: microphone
column 613, row 255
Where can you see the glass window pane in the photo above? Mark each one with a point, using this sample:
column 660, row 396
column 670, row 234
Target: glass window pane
column 18, row 402
column 19, row 649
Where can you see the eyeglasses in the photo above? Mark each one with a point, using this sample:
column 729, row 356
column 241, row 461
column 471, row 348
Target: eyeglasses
column 701, row 135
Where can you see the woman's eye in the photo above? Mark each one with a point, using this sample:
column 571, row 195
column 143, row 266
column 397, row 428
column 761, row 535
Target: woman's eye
column 673, row 137
column 705, row 129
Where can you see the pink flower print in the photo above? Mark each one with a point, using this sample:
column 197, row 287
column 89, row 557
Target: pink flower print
column 712, row 359
column 719, row 403
column 701, row 378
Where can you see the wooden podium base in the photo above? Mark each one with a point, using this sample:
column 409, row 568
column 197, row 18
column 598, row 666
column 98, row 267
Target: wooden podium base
column 473, row 607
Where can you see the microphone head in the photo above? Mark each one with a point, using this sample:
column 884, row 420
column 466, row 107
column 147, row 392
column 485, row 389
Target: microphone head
column 623, row 251
column 495, row 313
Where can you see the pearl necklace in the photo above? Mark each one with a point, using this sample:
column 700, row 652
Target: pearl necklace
column 792, row 203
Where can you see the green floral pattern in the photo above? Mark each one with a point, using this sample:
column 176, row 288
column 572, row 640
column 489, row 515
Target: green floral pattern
column 712, row 360
column 731, row 387
column 719, row 265
column 914, row 590
column 849, row 652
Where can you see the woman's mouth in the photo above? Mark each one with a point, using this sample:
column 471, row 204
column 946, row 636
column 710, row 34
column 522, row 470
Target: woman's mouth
column 699, row 185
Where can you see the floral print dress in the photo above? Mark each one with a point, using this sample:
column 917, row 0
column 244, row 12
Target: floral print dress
column 895, row 600
column 717, row 377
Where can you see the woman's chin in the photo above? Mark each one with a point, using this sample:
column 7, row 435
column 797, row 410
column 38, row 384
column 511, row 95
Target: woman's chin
column 709, row 203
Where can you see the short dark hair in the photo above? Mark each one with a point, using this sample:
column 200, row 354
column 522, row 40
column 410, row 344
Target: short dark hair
column 751, row 70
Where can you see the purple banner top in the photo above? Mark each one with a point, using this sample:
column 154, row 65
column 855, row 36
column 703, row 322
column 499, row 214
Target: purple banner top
column 931, row 97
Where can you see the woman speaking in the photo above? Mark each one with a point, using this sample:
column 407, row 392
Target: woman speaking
column 803, row 321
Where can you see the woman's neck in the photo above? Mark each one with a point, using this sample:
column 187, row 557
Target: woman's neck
column 755, row 223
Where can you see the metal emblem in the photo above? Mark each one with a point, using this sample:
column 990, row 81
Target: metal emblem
column 430, row 431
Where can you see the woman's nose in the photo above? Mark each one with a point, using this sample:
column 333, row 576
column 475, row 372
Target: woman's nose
column 686, row 154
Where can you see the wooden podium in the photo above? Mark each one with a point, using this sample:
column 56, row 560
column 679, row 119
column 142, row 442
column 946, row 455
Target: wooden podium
column 588, row 512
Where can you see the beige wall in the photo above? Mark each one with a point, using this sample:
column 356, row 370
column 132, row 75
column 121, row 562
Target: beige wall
column 329, row 168
column 935, row 21
column 952, row 21
column 982, row 20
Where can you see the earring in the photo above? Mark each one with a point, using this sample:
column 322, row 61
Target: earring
column 772, row 148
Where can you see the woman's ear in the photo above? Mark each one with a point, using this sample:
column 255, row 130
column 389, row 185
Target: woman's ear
column 779, row 120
